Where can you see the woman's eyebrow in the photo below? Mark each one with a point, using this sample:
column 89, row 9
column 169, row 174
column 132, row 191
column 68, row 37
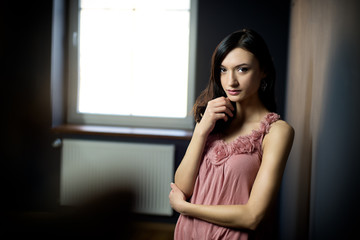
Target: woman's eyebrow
column 242, row 64
column 239, row 65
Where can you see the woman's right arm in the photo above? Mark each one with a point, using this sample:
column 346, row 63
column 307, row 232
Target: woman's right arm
column 185, row 176
column 186, row 173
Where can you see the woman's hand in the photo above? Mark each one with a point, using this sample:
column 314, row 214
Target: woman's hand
column 177, row 198
column 218, row 108
column 185, row 175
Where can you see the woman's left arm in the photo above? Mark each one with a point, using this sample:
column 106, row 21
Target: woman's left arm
column 276, row 148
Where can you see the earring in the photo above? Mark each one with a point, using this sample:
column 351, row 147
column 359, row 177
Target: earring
column 263, row 86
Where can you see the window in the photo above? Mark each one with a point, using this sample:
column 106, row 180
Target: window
column 131, row 63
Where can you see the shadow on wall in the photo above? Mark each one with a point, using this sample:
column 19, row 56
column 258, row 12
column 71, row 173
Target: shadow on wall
column 318, row 199
column 335, row 184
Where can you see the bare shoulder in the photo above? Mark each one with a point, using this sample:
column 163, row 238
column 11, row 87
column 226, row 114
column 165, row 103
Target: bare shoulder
column 281, row 125
column 280, row 131
column 278, row 142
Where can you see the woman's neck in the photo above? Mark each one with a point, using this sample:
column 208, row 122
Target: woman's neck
column 249, row 111
column 247, row 118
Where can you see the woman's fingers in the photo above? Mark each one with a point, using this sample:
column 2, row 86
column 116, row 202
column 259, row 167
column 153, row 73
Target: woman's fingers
column 216, row 109
column 221, row 106
column 173, row 186
column 225, row 109
column 176, row 193
column 229, row 104
column 221, row 101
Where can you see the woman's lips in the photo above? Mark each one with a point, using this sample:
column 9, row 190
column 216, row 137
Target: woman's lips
column 233, row 92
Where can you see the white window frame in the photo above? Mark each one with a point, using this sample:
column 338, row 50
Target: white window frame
column 73, row 116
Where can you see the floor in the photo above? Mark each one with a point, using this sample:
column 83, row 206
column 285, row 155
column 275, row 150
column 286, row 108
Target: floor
column 46, row 225
column 153, row 231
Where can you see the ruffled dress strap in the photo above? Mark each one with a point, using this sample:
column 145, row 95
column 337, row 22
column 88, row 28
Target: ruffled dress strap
column 266, row 124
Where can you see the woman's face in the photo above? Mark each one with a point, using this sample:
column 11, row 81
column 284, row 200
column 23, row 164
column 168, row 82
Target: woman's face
column 240, row 75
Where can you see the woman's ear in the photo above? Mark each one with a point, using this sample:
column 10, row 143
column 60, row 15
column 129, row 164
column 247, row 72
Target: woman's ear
column 263, row 75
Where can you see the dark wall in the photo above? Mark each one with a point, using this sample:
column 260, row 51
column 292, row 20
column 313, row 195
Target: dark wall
column 335, row 204
column 28, row 172
column 321, row 197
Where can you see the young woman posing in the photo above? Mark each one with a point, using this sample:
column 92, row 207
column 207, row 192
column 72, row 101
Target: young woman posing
column 233, row 166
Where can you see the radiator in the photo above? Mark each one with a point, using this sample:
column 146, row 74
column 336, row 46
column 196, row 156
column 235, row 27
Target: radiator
column 90, row 168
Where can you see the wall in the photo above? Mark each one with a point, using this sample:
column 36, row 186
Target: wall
column 30, row 175
column 319, row 197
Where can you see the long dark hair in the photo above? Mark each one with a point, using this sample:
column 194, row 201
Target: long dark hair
column 248, row 40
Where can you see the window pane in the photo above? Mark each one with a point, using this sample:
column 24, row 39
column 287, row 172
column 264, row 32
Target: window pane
column 105, row 69
column 133, row 62
column 158, row 4
column 161, row 64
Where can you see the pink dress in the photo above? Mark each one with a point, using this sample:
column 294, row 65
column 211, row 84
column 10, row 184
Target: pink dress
column 226, row 176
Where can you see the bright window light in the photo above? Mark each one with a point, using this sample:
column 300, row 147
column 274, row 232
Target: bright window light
column 134, row 57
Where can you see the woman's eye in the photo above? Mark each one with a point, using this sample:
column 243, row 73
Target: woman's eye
column 222, row 70
column 243, row 69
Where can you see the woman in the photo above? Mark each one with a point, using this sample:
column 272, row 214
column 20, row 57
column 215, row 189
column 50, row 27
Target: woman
column 233, row 166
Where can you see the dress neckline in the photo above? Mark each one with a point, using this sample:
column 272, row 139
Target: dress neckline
column 266, row 121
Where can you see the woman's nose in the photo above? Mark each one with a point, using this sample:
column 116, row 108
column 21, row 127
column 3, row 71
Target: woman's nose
column 232, row 79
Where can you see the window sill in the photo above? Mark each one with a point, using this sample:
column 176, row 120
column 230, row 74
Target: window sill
column 94, row 130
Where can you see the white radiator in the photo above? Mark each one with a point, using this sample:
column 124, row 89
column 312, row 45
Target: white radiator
column 89, row 168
